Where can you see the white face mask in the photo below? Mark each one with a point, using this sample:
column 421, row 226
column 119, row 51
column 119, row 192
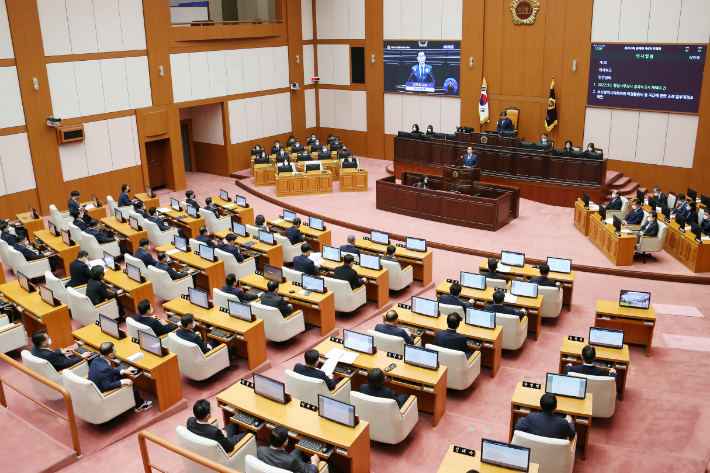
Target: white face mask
column 544, row 139
column 49, row 342
column 590, row 149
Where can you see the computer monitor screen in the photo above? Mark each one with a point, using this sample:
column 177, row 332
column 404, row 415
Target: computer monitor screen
column 505, row 455
column 239, row 310
column 426, row 307
column 191, row 211
column 652, row 203
column 269, row 388
column 696, row 230
column 24, row 282
column 358, row 342
column 380, row 237
column 175, row 204
column 287, row 168
column 66, row 239
column 705, row 201
column 416, row 244
column 52, row 228
column 33, row 212
column 313, row 283
column 617, row 224
column 180, row 243
column 602, row 212
column 481, row 318
column 149, row 191
column 199, row 298
column 559, row 265
column 119, row 216
column 207, row 253
column 149, row 343
column 680, row 220
column 691, row 194
column 606, row 337
column 585, row 199
column 331, row 254
column 96, row 200
column 47, row 295
column 523, row 288
column 421, row 357
column 224, row 195
column 634, row 299
column 133, row 222
column 289, row 216
column 316, row 223
column 241, row 201
column 312, row 167
column 370, row 261
column 509, row 258
column 666, row 211
column 109, row 326
column 133, row 273
column 473, row 281
column 640, row 195
column 340, row 412
column 239, row 229
column 273, row 273
column 567, row 386
column 349, row 165
column 109, row 260
column 266, row 237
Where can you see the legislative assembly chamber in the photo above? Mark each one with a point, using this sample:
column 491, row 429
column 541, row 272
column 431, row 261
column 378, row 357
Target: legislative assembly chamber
column 351, row 236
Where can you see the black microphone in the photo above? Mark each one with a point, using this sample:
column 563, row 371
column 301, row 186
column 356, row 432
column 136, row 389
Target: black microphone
column 458, row 160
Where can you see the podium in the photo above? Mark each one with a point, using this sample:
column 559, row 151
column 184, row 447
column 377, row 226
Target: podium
column 459, row 178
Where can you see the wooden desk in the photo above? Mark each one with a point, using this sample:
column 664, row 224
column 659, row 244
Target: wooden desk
column 148, row 201
column 527, row 400
column 161, row 376
column 307, row 183
column 637, row 324
column 38, row 315
column 683, row 247
column 581, row 216
column 571, row 352
column 488, row 342
column 67, row 253
column 458, row 463
column 422, row 262
column 378, row 286
column 333, row 166
column 96, row 212
column 211, row 275
column 135, row 291
column 352, row 452
column 133, row 237
column 353, row 180
column 273, row 255
column 430, row 388
column 264, row 174
column 191, row 226
column 243, row 215
column 315, row 238
column 31, row 225
column 619, row 249
column 318, row 309
column 249, row 339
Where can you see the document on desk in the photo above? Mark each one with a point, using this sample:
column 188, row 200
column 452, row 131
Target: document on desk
column 96, row 262
column 277, row 221
column 88, row 206
column 626, row 230
column 329, row 365
column 163, row 210
column 228, row 206
column 593, row 207
column 172, row 252
column 317, row 258
column 510, row 299
column 347, row 357
column 503, row 268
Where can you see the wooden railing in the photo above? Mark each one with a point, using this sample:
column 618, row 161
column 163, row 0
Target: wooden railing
column 228, row 23
column 144, row 435
column 67, row 398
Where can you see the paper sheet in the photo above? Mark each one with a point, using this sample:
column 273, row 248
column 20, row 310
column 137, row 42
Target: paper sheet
column 172, row 252
column 164, row 209
column 89, row 206
column 277, row 221
column 229, row 206
column 349, row 357
column 503, row 268
column 626, row 230
column 315, row 257
column 593, row 207
column 510, row 299
column 96, row 262
column 329, row 365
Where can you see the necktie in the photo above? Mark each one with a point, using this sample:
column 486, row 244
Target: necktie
column 421, row 72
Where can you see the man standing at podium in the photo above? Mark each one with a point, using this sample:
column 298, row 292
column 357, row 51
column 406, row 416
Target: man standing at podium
column 421, row 71
column 470, row 160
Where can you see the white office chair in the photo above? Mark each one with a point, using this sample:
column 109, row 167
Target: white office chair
column 551, row 301
column 603, row 389
column 213, row 450
column 461, row 372
column 671, row 201
column 133, row 327
column 93, row 406
column 164, row 287
column 278, row 328
column 112, row 206
column 388, row 423
column 84, row 312
column 193, row 363
column 195, row 245
column 354, row 255
column 513, row 332
column 252, row 230
column 215, row 224
column 133, row 261
column 5, row 253
column 497, row 283
column 221, row 299
column 156, row 237
column 183, row 206
column 254, row 465
column 292, row 275
column 553, row 455
column 289, row 251
column 701, row 214
column 610, row 214
column 399, row 278
column 96, row 251
column 346, row 298
column 12, row 336
column 60, row 219
column 137, row 216
column 653, row 244
column 447, row 309
column 75, row 233
column 305, row 388
column 389, row 343
column 231, row 266
column 31, row 269
column 45, row 368
column 59, row 288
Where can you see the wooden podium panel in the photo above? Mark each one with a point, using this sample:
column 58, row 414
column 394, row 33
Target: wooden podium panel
column 619, row 249
column 353, row 180
column 581, row 217
column 308, row 183
column 683, row 247
column 264, row 174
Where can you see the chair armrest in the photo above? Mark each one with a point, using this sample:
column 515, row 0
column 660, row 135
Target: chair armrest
column 66, row 279
column 406, row 405
column 108, row 393
column 321, row 465
column 182, row 279
column 215, row 350
column 359, row 288
column 343, row 381
column 293, row 314
column 523, row 321
column 476, row 354
column 408, row 268
column 10, row 327
column 212, row 420
column 105, row 303
column 72, row 366
column 241, row 443
column 573, row 444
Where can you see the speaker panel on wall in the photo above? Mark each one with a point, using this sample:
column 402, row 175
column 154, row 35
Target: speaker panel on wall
column 357, row 60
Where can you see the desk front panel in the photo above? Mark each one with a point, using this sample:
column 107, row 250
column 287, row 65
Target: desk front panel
column 683, row 247
column 270, row 254
column 191, row 226
column 304, row 184
column 212, row 274
column 315, row 238
column 422, row 262
column 31, row 225
column 378, row 286
column 618, row 249
column 264, row 174
column 67, row 253
column 353, row 180
column 148, row 201
column 243, row 215
column 133, row 237
column 455, row 462
column 135, row 291
column 581, row 217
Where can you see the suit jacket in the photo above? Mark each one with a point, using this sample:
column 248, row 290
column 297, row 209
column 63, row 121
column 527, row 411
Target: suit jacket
column 27, row 253
column 492, row 274
column 143, row 214
column 650, row 229
column 589, row 370
column 452, row 340
column 448, row 299
column 211, row 209
column 615, row 204
column 243, row 296
column 154, row 324
column 211, row 432
column 206, row 241
column 124, row 200
column 190, row 336
column 100, row 236
column 692, row 217
column 501, row 309
column 420, row 74
column 171, row 272
column 97, row 292
column 342, row 154
column 504, row 124
column 346, row 273
column 315, row 373
column 705, row 225
column 546, row 145
column 304, row 264
column 9, row 238
column 274, row 300
column 193, row 203
column 546, row 425
column 634, row 217
column 231, row 250
column 683, row 210
column 144, row 256
column 280, row 157
column 80, row 224
column 395, row 331
column 385, row 393
column 470, row 160
column 282, row 459
column 350, row 249
column 276, row 149
column 662, row 199
column 55, row 358
column 325, row 155
column 73, row 204
column 294, row 235
column 310, row 141
column 161, row 225
column 79, row 272
column 296, row 149
column 315, row 147
column 103, row 375
column 543, row 281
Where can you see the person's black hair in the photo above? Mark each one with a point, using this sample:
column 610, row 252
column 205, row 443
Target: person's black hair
column 186, row 320
column 347, row 259
column 548, row 403
column 570, row 144
column 453, row 320
column 160, row 255
column 503, row 113
column 124, row 187
column 208, row 201
column 492, row 264
column 655, row 188
column 424, row 176
column 311, row 356
column 591, row 145
column 391, row 250
column 76, row 193
column 74, row 213
column 189, row 193
column 589, row 354
column 259, row 220
column 296, row 221
column 81, row 254
column 498, row 297
column 278, row 436
column 93, row 222
column 692, row 205
column 143, row 306
column 143, row 242
column 230, row 280
column 305, row 248
column 544, row 269
column 106, row 348
column 231, row 237
column 637, row 202
column 203, row 230
column 421, row 51
column 38, row 338
column 391, row 316
column 3, row 225
column 375, row 378
column 97, row 272
column 152, row 210
column 201, row 409
column 469, row 148
column 271, row 286
column 680, row 197
column 139, row 205
column 654, row 214
column 455, row 289
column 545, row 134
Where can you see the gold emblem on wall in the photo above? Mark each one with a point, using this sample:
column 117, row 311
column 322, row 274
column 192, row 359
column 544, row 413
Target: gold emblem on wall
column 456, row 174
column 524, row 11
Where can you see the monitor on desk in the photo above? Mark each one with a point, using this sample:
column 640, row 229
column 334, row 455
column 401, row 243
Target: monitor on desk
column 198, row 298
column 133, row 222
column 109, row 327
column 266, row 237
column 52, row 228
column 313, row 283
column 66, row 239
column 602, row 213
column 358, row 342
column 282, row 169
column 207, row 253
column 567, row 386
column 691, row 194
column 635, row 299
column 133, row 273
column 269, row 388
column 47, row 295
column 180, row 243
column 380, row 237
column 416, row 244
column 239, row 310
column 585, row 199
column 696, row 230
column 331, row 254
column 149, row 191
column 606, row 337
column 191, row 211
column 559, row 265
column 505, row 455
column 652, row 203
column 273, row 273
column 349, row 165
column 241, row 201
column 224, row 195
column 426, row 307
column 316, row 223
column 640, row 195
column 336, row 411
column 666, row 212
column 150, row 343
column 510, row 258
column 680, row 220
column 289, row 216
column 119, row 216
column 34, row 214
column 705, row 201
column 473, row 281
column 239, row 229
column 617, row 224
column 175, row 204
column 523, row 288
column 109, row 260
column 421, row 357
column 24, row 282
column 481, row 318
column 312, row 167
column 96, row 200
column 370, row 262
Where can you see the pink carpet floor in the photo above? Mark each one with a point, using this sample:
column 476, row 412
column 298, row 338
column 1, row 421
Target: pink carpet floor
column 661, row 426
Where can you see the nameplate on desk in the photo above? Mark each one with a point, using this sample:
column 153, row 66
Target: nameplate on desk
column 527, row 384
column 452, row 281
column 404, row 306
column 271, row 165
column 134, row 339
column 222, row 309
column 297, row 284
column 368, row 239
column 98, row 323
column 361, row 170
column 310, row 407
column 572, row 338
column 185, row 296
column 246, row 383
column 394, row 355
column 399, row 245
column 259, row 273
column 465, row 451
column 336, row 340
column 699, row 240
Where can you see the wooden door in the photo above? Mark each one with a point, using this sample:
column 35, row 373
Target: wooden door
column 156, row 152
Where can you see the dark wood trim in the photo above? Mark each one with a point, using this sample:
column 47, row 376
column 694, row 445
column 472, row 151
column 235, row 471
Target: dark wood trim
column 96, row 56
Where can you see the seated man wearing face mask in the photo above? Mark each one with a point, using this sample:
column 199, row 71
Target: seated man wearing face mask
column 705, row 224
column 650, row 228
column 544, row 143
column 660, row 197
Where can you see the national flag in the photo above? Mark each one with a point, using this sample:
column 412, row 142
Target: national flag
column 483, row 104
column 551, row 117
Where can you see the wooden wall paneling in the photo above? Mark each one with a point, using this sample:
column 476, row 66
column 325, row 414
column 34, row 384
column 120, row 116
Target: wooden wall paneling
column 188, row 122
column 522, row 54
column 356, row 141
column 494, row 16
column 157, row 35
column 671, row 179
column 13, row 204
column 375, row 81
column 295, row 69
column 552, row 60
column 176, row 175
column 104, row 184
column 226, row 132
column 212, row 159
column 700, row 177
column 471, row 46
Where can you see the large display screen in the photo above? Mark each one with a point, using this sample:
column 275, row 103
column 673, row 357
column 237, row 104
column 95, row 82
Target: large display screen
column 663, row 77
column 422, row 67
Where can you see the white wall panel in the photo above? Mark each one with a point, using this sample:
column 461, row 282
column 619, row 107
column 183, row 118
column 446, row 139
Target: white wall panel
column 251, row 70
column 132, row 24
column 98, row 147
column 235, row 72
column 138, row 77
column 108, row 25
column 431, row 113
column 358, row 110
column 633, row 22
column 393, row 113
column 341, row 64
column 237, row 121
column 694, row 22
column 89, row 87
column 199, row 76
column 6, row 50
column 253, row 111
column 269, row 124
column 113, row 77
column 451, row 19
column 392, row 19
column 324, row 22
column 605, row 21
column 325, row 63
column 62, row 89
column 3, row 189
column 450, row 114
column 281, row 77
column 136, row 141
column 651, row 141
column 680, row 140
column 82, row 27
column 283, row 113
column 207, row 124
column 306, row 20
column 356, row 19
column 341, row 109
column 311, row 120
column 624, row 131
column 308, row 64
column 339, row 19
column 180, row 73
column 11, row 111
column 326, row 107
column 431, row 20
column 217, row 62
column 73, row 158
column 54, row 26
column 266, row 68
column 16, row 162
column 663, row 21
column 121, row 139
column 597, row 127
column 411, row 111
column 411, row 19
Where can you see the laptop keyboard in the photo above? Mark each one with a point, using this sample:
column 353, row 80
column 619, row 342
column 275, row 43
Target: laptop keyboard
column 311, row 444
column 173, row 319
column 244, row 418
column 221, row 334
column 123, row 366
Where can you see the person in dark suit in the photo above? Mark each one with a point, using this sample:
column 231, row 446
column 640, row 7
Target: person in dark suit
column 107, row 378
column 203, row 238
column 261, row 158
column 589, row 354
column 163, row 264
column 282, row 156
column 260, row 223
column 228, row 245
column 22, row 246
column 271, row 298
column 97, row 292
column 330, row 138
column 544, row 143
column 187, row 333
column 233, row 288
column 59, row 359
column 423, row 182
column 297, row 147
column 635, row 215
column 257, row 150
column 311, row 369
column 276, row 148
column 140, row 209
column 6, row 236
column 390, row 328
column 190, row 199
column 616, row 202
column 312, row 139
column 143, row 253
column 543, row 280
column 705, row 224
column 692, row 214
column 291, row 141
column 347, row 273
column 391, row 250
column 492, row 272
column 78, row 222
column 74, row 205
column 303, row 156
column 276, row 455
column 324, row 155
column 453, row 297
column 650, row 228
column 145, row 316
column 123, row 199
column 153, row 217
column 499, row 308
column 348, row 159
column 374, row 387
column 336, row 145
column 660, row 197
column 316, row 145
column 200, row 425
column 293, row 233
column 470, row 160
column 350, row 247
column 208, row 206
column 504, row 123
column 344, row 153
column 545, row 423
column 680, row 205
column 79, row 271
column 102, row 238
column 567, row 151
column 421, row 72
column 450, row 338
column 303, row 263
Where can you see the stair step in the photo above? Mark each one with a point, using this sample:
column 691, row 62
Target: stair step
column 621, row 182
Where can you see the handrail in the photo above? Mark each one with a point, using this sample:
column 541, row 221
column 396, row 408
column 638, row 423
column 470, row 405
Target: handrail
column 144, row 435
column 57, row 387
column 223, row 23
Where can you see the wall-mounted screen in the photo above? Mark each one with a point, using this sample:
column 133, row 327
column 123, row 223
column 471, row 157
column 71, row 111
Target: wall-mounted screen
column 422, row 67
